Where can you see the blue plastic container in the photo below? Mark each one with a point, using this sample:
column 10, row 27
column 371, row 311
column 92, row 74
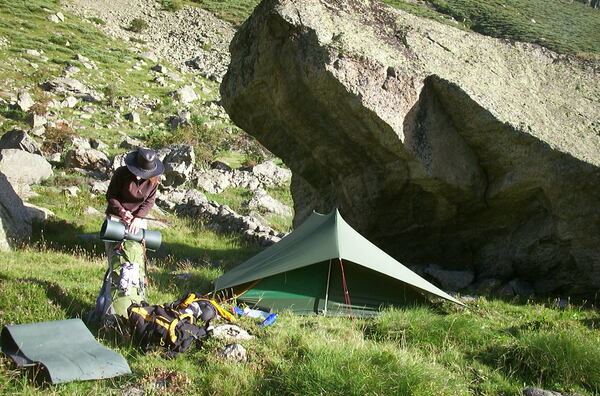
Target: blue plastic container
column 269, row 320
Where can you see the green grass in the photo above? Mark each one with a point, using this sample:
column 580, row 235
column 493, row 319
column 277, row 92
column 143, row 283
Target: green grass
column 561, row 25
column 493, row 348
column 233, row 11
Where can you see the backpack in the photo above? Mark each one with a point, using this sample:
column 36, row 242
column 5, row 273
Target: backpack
column 174, row 326
column 125, row 282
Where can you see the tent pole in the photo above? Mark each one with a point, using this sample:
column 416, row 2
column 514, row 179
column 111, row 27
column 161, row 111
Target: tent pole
column 327, row 289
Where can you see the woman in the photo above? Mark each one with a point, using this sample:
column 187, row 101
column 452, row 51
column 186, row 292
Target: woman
column 132, row 189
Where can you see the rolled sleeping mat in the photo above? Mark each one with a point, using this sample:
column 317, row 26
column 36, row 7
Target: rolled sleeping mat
column 115, row 231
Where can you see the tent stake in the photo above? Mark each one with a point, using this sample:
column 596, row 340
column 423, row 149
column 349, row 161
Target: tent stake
column 345, row 286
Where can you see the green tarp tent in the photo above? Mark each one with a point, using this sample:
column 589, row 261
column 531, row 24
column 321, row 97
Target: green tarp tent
column 325, row 266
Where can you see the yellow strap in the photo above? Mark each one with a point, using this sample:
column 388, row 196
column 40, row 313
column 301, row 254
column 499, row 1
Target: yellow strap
column 172, row 334
column 190, row 298
column 142, row 312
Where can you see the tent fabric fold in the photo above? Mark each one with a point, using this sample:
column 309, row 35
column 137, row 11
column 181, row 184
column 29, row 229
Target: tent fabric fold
column 319, row 239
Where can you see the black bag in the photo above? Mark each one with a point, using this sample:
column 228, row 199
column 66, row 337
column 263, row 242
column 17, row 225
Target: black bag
column 162, row 325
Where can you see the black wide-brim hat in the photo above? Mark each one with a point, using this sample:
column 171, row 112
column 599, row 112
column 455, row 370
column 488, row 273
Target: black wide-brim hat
column 144, row 163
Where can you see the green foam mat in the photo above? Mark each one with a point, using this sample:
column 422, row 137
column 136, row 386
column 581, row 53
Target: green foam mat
column 65, row 349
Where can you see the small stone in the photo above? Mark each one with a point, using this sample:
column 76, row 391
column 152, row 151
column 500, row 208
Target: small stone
column 90, row 211
column 24, row 101
column 235, row 352
column 71, row 191
column 159, row 68
column 133, row 117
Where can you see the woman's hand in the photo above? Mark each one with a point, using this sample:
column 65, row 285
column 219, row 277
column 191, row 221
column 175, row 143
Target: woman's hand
column 135, row 225
column 127, row 217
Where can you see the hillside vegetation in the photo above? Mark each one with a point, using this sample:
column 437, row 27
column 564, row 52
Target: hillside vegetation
column 495, row 346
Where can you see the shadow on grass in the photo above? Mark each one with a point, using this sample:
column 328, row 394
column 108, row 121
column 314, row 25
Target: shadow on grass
column 164, row 280
column 70, row 303
column 62, row 236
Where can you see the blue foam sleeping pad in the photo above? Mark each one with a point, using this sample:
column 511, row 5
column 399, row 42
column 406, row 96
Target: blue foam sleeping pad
column 65, row 348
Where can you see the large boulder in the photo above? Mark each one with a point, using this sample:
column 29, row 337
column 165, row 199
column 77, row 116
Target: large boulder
column 15, row 221
column 18, row 139
column 441, row 146
column 23, row 168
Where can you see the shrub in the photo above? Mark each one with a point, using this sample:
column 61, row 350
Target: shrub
column 57, row 138
column 97, row 21
column 171, row 5
column 137, row 25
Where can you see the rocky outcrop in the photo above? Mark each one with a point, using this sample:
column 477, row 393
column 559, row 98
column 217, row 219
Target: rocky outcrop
column 219, row 218
column 15, row 222
column 439, row 145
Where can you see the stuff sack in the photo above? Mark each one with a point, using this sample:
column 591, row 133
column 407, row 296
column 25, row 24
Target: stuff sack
column 125, row 282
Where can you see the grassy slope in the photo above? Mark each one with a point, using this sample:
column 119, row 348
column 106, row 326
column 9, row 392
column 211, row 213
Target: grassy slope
column 493, row 348
column 561, row 25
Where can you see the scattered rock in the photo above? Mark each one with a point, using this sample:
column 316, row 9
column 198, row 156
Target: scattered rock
column 70, row 102
column 36, row 120
column 178, row 160
column 222, row 218
column 18, row 139
column 130, row 143
column 98, row 144
column 53, row 18
column 185, row 94
column 234, row 352
column 15, row 222
column 91, row 159
column 263, row 202
column 24, row 101
column 214, row 181
column 70, row 69
column 37, row 212
column 81, row 143
column 99, row 187
column 231, row 332
column 451, row 280
column 271, row 175
column 24, row 168
column 150, row 56
column 90, row 211
column 220, row 165
column 182, row 118
column 133, row 117
column 71, row 191
column 159, row 68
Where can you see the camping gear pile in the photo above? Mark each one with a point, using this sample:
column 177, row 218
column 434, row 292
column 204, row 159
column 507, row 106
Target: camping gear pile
column 174, row 326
